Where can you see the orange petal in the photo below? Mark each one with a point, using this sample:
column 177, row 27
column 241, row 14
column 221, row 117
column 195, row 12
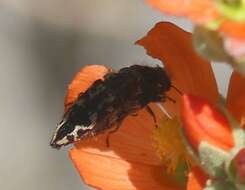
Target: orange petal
column 202, row 122
column 233, row 29
column 130, row 156
column 236, row 97
column 108, row 173
column 133, row 139
column 196, row 179
column 188, row 72
column 82, row 81
column 132, row 142
column 131, row 148
column 198, row 10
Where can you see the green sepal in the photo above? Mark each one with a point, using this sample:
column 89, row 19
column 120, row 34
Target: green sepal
column 212, row 159
column 219, row 185
column 238, row 133
column 231, row 169
column 188, row 146
column 239, row 65
column 209, row 44
column 239, row 137
column 180, row 174
column 214, row 24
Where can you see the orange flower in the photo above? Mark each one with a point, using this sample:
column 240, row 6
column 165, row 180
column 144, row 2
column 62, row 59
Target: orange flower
column 131, row 161
column 203, row 123
column 197, row 10
column 209, row 12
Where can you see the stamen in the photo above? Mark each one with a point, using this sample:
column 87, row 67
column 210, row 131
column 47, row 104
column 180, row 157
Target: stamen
column 169, row 146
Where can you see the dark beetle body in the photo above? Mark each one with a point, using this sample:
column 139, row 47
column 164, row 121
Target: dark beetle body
column 107, row 102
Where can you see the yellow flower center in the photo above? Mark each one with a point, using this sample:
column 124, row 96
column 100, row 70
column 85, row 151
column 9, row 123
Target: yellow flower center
column 167, row 141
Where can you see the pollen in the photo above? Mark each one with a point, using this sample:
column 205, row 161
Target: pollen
column 169, row 146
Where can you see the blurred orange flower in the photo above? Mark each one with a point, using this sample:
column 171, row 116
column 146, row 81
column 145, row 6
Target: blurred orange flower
column 206, row 12
column 131, row 161
column 197, row 10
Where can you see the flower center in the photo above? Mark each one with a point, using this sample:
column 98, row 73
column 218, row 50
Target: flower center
column 167, row 141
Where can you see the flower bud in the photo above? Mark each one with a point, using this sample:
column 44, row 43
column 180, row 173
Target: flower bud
column 203, row 123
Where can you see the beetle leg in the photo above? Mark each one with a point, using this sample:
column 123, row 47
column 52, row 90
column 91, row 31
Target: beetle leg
column 134, row 114
column 149, row 110
column 112, row 131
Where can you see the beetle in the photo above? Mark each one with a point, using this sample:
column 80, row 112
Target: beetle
column 108, row 101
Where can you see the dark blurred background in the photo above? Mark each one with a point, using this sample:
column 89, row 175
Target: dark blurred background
column 42, row 45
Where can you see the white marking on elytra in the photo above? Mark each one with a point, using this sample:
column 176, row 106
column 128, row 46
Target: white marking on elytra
column 80, row 127
column 62, row 141
column 74, row 133
column 57, row 129
column 86, row 127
